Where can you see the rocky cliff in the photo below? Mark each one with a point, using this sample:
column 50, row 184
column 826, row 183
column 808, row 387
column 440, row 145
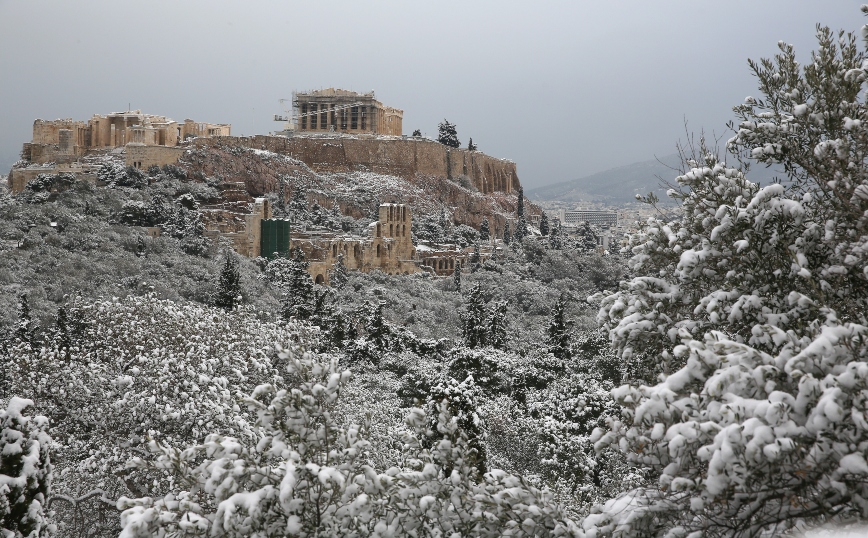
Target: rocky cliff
column 402, row 157
column 358, row 174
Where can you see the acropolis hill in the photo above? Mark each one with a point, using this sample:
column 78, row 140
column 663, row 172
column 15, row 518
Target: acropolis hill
column 346, row 138
column 336, row 154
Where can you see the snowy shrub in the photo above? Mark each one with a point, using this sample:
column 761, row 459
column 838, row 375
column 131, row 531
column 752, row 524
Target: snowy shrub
column 752, row 311
column 142, row 369
column 25, row 472
column 307, row 476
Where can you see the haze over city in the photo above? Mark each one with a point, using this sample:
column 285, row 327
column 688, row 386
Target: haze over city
column 564, row 89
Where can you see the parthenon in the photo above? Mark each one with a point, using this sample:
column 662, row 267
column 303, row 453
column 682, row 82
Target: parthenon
column 345, row 111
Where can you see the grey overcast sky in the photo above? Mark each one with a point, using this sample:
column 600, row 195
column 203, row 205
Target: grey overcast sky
column 564, row 89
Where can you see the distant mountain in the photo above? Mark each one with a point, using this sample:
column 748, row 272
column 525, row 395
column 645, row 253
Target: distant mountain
column 622, row 184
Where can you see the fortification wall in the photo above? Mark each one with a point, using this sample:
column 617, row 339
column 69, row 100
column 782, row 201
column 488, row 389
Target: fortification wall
column 403, row 157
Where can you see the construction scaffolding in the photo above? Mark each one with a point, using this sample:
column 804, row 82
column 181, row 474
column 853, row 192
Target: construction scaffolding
column 335, row 110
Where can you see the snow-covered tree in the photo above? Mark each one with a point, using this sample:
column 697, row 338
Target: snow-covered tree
column 447, row 134
column 25, row 472
column 473, row 319
column 141, row 369
column 559, row 330
column 376, row 328
column 228, row 292
column 26, row 329
column 471, row 146
column 453, row 415
column 308, row 475
column 507, row 235
column 586, row 237
column 298, row 210
column 456, row 275
column 417, row 132
column 338, row 275
column 752, row 310
column 556, row 240
column 497, row 326
column 290, row 276
column 484, row 230
column 544, row 224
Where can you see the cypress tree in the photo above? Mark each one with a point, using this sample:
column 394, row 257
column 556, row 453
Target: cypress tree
column 519, row 209
column 559, row 330
column 228, row 284
column 26, row 329
column 376, row 327
column 544, row 224
column 298, row 298
column 497, row 327
column 507, row 236
column 484, row 230
column 456, row 275
column 339, row 274
column 473, row 320
column 520, row 231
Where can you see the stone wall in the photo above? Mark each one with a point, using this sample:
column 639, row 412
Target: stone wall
column 18, row 177
column 142, row 157
column 405, row 157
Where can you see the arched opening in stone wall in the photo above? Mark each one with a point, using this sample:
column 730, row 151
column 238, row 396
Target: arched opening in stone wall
column 379, row 251
column 319, row 279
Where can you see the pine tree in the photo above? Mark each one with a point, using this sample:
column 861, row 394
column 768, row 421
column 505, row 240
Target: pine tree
column 507, row 236
column 484, row 230
column 456, row 275
column 544, row 224
column 559, row 331
column 497, row 326
column 471, row 146
column 228, row 284
column 473, row 320
column 417, row 133
column 587, row 238
column 448, row 135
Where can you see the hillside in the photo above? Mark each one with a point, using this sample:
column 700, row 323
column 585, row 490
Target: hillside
column 622, row 184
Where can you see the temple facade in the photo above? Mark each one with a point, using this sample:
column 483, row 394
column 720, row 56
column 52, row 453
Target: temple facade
column 344, row 111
